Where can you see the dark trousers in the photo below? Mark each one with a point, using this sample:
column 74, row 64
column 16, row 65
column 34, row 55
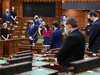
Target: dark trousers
column 46, row 41
column 30, row 42
column 64, row 67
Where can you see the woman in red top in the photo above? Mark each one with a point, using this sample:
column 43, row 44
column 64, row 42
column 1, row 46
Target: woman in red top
column 47, row 35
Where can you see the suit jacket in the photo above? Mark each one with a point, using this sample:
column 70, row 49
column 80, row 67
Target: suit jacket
column 56, row 39
column 87, row 32
column 6, row 17
column 72, row 49
column 94, row 36
column 30, row 30
column 61, row 19
column 37, row 22
column 34, row 33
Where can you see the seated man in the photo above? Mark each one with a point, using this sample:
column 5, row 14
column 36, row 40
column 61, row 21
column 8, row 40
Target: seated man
column 73, row 46
column 7, row 17
column 56, row 36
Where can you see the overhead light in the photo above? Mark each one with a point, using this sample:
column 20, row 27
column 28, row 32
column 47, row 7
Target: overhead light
column 99, row 10
column 84, row 9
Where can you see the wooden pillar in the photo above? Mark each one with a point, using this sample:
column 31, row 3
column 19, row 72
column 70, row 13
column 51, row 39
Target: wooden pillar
column 0, row 8
column 63, row 1
column 86, row 17
column 5, row 5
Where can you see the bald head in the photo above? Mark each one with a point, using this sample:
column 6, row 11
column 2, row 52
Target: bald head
column 7, row 10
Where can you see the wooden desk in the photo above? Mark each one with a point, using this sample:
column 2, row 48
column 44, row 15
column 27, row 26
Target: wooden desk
column 10, row 46
column 84, row 64
column 40, row 71
column 51, row 62
column 20, row 60
column 23, row 55
column 1, row 48
column 15, row 68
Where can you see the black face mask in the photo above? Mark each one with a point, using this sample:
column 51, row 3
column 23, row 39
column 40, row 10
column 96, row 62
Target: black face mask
column 7, row 12
column 90, row 20
column 88, row 26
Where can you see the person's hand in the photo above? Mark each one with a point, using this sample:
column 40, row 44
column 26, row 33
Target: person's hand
column 31, row 38
column 56, row 60
column 88, row 48
column 14, row 19
column 8, row 21
column 88, row 23
column 6, row 39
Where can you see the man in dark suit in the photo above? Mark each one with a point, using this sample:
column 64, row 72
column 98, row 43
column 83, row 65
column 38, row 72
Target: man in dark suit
column 63, row 17
column 32, row 22
column 94, row 36
column 73, row 46
column 36, row 20
column 7, row 17
column 34, row 33
column 56, row 36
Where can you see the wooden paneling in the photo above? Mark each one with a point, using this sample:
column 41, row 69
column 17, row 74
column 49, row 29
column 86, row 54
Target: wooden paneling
column 19, row 9
column 5, row 5
column 1, row 48
column 0, row 8
column 80, row 16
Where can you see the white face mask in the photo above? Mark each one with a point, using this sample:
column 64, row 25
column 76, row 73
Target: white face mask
column 45, row 28
column 65, row 30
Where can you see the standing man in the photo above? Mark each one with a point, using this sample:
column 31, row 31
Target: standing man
column 94, row 36
column 63, row 17
column 7, row 17
column 34, row 34
column 73, row 46
column 32, row 22
column 13, row 14
column 56, row 36
column 36, row 20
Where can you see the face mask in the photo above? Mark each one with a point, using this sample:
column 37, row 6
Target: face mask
column 7, row 12
column 45, row 28
column 90, row 20
column 53, row 28
column 65, row 30
column 31, row 23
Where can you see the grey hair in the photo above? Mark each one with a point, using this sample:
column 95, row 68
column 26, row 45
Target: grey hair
column 4, row 24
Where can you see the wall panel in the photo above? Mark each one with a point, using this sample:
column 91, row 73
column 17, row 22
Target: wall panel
column 19, row 9
column 80, row 15
column 0, row 8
